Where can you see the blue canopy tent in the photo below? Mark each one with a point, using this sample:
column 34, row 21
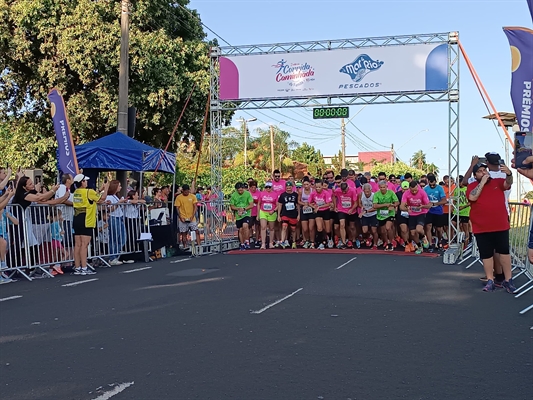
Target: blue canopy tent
column 120, row 152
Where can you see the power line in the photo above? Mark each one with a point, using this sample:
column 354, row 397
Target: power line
column 204, row 25
column 364, row 134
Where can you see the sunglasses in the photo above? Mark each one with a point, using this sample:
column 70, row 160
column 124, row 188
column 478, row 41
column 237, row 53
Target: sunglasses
column 277, row 176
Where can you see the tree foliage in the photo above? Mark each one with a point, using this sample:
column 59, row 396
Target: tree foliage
column 398, row 168
column 309, row 155
column 74, row 45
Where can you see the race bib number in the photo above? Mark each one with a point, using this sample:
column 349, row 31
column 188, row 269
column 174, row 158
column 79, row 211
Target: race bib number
column 289, row 206
column 384, row 213
column 346, row 204
column 320, row 202
column 404, row 214
column 416, row 209
column 267, row 206
column 307, row 210
column 242, row 212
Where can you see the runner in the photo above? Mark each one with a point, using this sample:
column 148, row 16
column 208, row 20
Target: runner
column 385, row 202
column 254, row 221
column 307, row 214
column 345, row 203
column 415, row 201
column 435, row 218
column 402, row 219
column 241, row 202
column 464, row 211
column 288, row 214
column 278, row 187
column 344, row 178
column 320, row 200
column 266, row 207
column 368, row 217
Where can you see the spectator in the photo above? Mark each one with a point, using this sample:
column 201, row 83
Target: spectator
column 85, row 204
column 117, row 229
column 132, row 218
column 5, row 218
column 186, row 205
column 58, row 251
column 68, row 212
column 5, row 174
column 487, row 198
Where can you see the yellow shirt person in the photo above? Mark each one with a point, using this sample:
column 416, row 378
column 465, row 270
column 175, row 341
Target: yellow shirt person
column 186, row 205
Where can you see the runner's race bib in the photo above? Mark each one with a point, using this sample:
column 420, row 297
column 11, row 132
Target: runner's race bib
column 346, row 204
column 320, row 202
column 267, row 206
column 404, row 214
column 307, row 210
column 384, row 213
column 289, row 206
column 416, row 209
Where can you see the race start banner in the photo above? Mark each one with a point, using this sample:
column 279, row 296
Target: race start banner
column 521, row 42
column 340, row 72
column 68, row 164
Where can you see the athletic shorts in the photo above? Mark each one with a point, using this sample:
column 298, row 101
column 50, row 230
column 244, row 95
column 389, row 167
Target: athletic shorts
column 240, row 222
column 325, row 215
column 306, row 217
column 289, row 221
column 334, row 216
column 415, row 220
column 185, row 227
column 370, row 221
column 267, row 216
column 462, row 220
column 490, row 242
column 437, row 220
column 79, row 226
column 347, row 217
column 254, row 220
column 401, row 220
column 383, row 222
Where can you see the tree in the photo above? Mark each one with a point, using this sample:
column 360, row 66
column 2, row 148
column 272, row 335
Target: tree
column 360, row 165
column 259, row 155
column 398, row 168
column 419, row 159
column 230, row 176
column 431, row 168
column 309, row 155
column 73, row 45
column 529, row 195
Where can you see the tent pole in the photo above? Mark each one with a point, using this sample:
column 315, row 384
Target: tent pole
column 173, row 196
column 140, row 185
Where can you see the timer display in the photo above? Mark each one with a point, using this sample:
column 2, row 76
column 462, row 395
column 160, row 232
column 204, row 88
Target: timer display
column 331, row 112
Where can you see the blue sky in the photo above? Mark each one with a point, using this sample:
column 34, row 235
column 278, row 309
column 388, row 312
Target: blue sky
column 479, row 24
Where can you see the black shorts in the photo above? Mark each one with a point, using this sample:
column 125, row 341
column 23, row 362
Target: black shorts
column 346, row 217
column 240, row 222
column 382, row 222
column 307, row 217
column 254, row 221
column 79, row 226
column 492, row 242
column 334, row 216
column 415, row 220
column 401, row 220
column 370, row 221
column 464, row 220
column 325, row 215
column 437, row 220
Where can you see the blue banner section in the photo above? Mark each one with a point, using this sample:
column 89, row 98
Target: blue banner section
column 521, row 42
column 66, row 153
column 530, row 4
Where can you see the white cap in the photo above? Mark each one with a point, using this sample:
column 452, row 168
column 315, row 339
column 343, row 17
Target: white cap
column 80, row 177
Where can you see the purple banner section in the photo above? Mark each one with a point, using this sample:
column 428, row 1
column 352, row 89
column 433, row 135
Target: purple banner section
column 521, row 42
column 67, row 161
column 530, row 4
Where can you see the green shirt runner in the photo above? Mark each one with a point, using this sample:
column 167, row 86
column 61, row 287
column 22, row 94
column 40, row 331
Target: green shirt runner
column 241, row 201
column 463, row 201
column 388, row 197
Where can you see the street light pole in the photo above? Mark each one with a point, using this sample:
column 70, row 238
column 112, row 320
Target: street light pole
column 244, row 121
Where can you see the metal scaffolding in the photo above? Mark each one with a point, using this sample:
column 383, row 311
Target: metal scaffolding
column 450, row 95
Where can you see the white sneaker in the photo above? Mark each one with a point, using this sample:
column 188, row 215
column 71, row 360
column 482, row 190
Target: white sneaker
column 330, row 244
column 115, row 262
column 128, row 261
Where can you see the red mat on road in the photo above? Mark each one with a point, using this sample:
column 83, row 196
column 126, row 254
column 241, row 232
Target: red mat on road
column 333, row 251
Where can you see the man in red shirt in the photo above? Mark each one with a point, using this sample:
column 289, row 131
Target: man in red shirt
column 490, row 222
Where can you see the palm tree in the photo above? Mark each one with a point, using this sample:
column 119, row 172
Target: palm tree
column 419, row 159
column 431, row 168
column 260, row 155
column 360, row 165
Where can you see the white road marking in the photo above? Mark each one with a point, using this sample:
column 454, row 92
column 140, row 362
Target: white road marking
column 10, row 298
column 135, row 270
column 80, row 282
column 182, row 260
column 116, row 390
column 346, row 263
column 276, row 302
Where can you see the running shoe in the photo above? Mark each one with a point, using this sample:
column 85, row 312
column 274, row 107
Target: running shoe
column 389, row 247
column 380, row 242
column 330, row 244
column 285, row 244
column 87, row 271
column 419, row 250
column 247, row 245
column 5, row 280
column 489, row 287
column 306, row 244
column 369, row 243
column 53, row 272
column 293, row 245
column 278, row 244
column 394, row 244
column 57, row 269
column 509, row 286
column 115, row 262
column 483, row 279
column 242, row 248
column 312, row 246
column 357, row 243
column 262, row 248
column 425, row 242
column 408, row 248
column 340, row 244
column 349, row 244
column 374, row 247
column 321, row 246
column 77, row 271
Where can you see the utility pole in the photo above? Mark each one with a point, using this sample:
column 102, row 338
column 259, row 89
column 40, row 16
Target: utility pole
column 272, row 149
column 343, row 143
column 245, row 145
column 123, row 82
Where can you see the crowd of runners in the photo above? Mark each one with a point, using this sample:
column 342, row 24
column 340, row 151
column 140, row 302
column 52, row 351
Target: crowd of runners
column 348, row 210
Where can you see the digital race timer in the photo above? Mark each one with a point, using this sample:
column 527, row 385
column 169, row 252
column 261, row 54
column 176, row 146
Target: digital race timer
column 331, row 112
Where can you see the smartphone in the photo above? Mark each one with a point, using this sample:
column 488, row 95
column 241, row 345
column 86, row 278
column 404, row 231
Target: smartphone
column 482, row 160
column 502, row 162
column 523, row 148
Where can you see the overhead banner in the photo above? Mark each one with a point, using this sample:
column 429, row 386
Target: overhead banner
column 530, row 4
column 67, row 161
column 521, row 41
column 339, row 72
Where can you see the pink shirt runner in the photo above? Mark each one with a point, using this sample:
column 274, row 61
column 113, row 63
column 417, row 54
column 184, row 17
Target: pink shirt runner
column 269, row 201
column 278, row 187
column 415, row 201
column 345, row 201
column 375, row 186
column 320, row 199
column 255, row 196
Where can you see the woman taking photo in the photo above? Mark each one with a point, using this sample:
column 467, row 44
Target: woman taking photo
column 117, row 229
column 85, row 203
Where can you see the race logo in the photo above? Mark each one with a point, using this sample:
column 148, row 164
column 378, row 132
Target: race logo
column 294, row 72
column 361, row 67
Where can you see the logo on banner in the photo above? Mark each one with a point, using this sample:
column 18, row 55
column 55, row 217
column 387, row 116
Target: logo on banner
column 293, row 73
column 361, row 67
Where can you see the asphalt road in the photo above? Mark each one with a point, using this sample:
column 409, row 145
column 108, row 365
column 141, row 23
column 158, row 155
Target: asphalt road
column 379, row 327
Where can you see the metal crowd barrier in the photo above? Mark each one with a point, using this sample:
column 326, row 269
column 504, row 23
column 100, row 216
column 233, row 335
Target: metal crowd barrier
column 40, row 237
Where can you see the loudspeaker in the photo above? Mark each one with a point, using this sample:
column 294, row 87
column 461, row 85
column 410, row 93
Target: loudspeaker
column 132, row 117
